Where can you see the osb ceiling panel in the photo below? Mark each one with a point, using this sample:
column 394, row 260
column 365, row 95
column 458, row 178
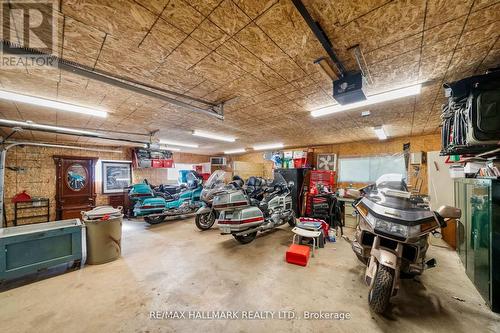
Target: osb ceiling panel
column 258, row 55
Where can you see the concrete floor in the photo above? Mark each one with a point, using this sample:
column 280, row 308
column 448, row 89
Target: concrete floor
column 174, row 267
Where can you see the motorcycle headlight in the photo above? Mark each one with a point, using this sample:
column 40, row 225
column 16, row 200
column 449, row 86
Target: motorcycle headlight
column 397, row 229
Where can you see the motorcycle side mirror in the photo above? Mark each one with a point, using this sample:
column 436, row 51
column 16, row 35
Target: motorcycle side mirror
column 449, row 212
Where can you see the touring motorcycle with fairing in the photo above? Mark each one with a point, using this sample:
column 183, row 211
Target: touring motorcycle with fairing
column 206, row 215
column 392, row 235
column 259, row 206
column 154, row 204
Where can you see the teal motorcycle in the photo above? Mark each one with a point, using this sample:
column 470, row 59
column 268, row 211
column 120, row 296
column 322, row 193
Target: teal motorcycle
column 155, row 204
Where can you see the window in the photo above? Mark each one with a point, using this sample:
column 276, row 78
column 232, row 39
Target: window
column 368, row 169
column 173, row 173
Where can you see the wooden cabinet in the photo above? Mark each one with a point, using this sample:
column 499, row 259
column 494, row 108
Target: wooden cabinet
column 75, row 188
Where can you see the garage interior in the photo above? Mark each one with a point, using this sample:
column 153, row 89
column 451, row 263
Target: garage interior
column 119, row 118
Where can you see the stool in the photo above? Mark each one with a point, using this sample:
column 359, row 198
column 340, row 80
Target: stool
column 307, row 234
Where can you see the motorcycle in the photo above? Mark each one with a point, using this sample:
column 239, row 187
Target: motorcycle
column 242, row 214
column 206, row 215
column 155, row 204
column 392, row 235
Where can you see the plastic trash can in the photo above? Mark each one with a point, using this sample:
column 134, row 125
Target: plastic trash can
column 103, row 226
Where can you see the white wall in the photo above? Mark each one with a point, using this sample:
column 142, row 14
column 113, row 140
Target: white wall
column 441, row 189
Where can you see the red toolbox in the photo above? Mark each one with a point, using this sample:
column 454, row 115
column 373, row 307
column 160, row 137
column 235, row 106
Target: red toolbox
column 324, row 178
column 298, row 254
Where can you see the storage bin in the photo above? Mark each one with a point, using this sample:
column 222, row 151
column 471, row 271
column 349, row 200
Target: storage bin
column 298, row 254
column 104, row 232
column 28, row 249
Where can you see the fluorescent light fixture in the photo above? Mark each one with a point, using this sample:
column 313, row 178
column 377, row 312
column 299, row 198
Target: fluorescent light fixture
column 235, row 151
column 379, row 131
column 370, row 100
column 213, row 136
column 268, row 146
column 177, row 143
column 11, row 96
column 34, row 126
column 171, row 148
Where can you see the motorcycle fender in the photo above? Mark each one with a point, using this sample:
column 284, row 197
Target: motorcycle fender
column 371, row 270
column 385, row 258
column 203, row 210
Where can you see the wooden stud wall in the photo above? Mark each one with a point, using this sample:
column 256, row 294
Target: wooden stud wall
column 39, row 176
column 425, row 143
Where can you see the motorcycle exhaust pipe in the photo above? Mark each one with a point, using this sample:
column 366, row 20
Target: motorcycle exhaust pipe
column 248, row 231
column 267, row 225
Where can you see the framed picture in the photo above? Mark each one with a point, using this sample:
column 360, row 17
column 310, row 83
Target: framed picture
column 116, row 176
column 327, row 162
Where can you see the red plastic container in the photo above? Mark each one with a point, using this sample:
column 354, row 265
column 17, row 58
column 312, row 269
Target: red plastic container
column 298, row 254
column 156, row 163
column 168, row 163
column 299, row 162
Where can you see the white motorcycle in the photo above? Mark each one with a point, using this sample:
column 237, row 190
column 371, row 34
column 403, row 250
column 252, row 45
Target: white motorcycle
column 392, row 235
column 245, row 212
column 207, row 215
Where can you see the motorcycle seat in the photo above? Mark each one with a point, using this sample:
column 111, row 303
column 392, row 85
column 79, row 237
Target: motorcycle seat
column 174, row 197
column 167, row 196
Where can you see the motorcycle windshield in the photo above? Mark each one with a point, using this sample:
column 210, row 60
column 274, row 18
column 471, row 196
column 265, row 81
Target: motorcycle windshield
column 278, row 180
column 215, row 180
column 391, row 192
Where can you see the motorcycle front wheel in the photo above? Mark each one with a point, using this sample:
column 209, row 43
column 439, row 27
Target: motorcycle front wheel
column 380, row 293
column 154, row 219
column 205, row 221
column 245, row 239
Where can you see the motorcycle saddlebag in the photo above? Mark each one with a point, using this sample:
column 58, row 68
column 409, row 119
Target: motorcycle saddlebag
column 150, row 205
column 230, row 200
column 484, row 112
column 241, row 219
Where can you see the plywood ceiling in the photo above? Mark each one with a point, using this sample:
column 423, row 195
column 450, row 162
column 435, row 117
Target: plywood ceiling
column 259, row 55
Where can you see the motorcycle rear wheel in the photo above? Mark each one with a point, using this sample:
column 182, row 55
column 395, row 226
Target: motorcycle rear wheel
column 245, row 239
column 154, row 219
column 205, row 221
column 380, row 293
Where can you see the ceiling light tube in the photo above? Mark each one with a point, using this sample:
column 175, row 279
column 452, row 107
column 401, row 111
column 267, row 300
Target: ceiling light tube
column 171, row 148
column 370, row 100
column 34, row 126
column 268, row 146
column 11, row 96
column 213, row 136
column 177, row 143
column 379, row 131
column 235, row 151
